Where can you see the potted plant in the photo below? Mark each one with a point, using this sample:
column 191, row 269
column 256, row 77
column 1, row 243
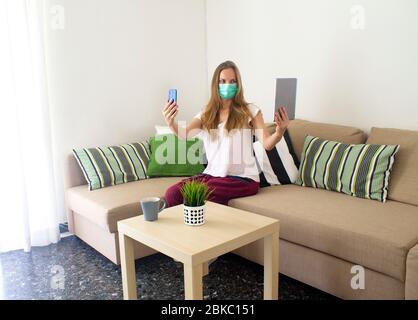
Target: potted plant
column 195, row 193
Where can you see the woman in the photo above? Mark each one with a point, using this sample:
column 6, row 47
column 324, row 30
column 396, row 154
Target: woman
column 226, row 126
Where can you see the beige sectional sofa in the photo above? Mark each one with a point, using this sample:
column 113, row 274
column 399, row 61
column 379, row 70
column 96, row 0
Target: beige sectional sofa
column 323, row 234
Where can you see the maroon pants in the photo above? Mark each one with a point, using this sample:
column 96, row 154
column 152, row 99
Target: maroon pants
column 224, row 189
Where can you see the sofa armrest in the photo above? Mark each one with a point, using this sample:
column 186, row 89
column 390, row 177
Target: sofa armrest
column 73, row 177
column 411, row 283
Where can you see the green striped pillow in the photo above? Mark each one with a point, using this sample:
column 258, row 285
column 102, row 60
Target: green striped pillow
column 109, row 166
column 359, row 170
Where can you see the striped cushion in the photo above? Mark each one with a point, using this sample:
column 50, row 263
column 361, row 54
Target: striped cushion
column 359, row 170
column 277, row 166
column 108, row 166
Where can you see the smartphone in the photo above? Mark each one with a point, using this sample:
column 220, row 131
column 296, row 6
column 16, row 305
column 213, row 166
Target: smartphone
column 172, row 95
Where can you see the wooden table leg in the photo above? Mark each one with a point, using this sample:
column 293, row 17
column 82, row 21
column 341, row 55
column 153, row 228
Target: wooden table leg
column 193, row 289
column 126, row 248
column 271, row 267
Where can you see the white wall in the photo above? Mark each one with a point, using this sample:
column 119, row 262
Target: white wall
column 111, row 66
column 362, row 78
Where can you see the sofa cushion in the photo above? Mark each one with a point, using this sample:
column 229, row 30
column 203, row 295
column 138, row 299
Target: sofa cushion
column 278, row 165
column 369, row 233
column 107, row 206
column 359, row 170
column 403, row 183
column 298, row 129
column 113, row 165
column 172, row 157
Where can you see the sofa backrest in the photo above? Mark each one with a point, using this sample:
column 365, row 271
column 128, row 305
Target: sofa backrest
column 403, row 180
column 298, row 129
column 73, row 176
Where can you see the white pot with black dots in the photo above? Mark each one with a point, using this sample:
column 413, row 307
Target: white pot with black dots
column 194, row 216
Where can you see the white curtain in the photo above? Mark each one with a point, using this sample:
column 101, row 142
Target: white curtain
column 28, row 210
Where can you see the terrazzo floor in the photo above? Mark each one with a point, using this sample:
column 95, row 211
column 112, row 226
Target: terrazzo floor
column 72, row 270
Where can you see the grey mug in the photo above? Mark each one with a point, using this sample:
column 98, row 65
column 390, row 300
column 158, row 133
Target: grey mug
column 151, row 206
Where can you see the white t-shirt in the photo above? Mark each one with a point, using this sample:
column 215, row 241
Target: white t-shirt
column 232, row 153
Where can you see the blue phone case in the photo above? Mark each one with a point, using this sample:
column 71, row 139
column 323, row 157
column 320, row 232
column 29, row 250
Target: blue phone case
column 172, row 95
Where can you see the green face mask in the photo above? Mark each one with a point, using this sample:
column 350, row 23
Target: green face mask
column 228, row 90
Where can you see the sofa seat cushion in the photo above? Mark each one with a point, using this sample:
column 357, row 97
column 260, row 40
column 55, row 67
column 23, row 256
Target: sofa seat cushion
column 107, row 206
column 369, row 233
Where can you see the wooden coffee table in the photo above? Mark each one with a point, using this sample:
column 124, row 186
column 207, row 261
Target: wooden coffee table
column 225, row 230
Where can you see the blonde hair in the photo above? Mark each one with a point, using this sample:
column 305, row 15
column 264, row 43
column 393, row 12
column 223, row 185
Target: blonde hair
column 239, row 112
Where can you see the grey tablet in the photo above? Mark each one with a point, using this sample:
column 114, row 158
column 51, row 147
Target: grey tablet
column 286, row 95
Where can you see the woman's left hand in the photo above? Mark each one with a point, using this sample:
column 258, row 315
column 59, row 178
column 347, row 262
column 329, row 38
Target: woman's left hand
column 282, row 120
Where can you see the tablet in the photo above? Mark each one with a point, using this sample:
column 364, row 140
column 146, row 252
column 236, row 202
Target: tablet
column 286, row 96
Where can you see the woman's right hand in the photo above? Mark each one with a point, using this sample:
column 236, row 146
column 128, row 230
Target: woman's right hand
column 170, row 111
